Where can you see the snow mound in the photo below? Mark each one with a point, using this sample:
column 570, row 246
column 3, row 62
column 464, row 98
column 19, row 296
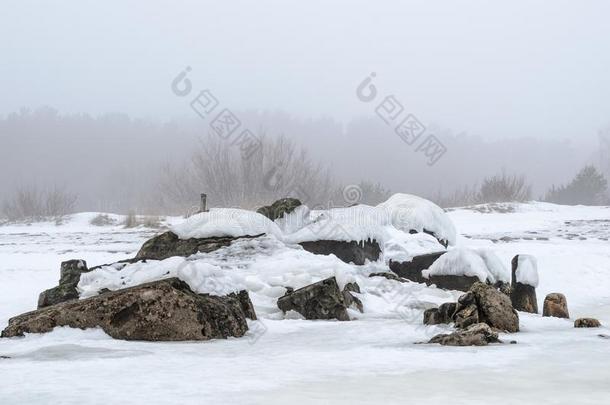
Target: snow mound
column 409, row 212
column 483, row 264
column 403, row 247
column 225, row 222
column 527, row 270
column 357, row 223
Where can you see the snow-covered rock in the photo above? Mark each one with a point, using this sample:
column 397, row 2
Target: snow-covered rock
column 480, row 263
column 527, row 270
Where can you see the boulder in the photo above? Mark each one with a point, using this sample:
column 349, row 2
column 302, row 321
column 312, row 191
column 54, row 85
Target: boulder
column 522, row 296
column 495, row 308
column 442, row 314
column 412, row 270
column 70, row 272
column 466, row 312
column 165, row 310
column 279, row 208
column 587, row 323
column 479, row 334
column 246, row 304
column 555, row 304
column 168, row 244
column 349, row 252
column 321, row 300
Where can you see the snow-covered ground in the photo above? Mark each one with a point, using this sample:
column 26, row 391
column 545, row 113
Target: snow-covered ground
column 372, row 359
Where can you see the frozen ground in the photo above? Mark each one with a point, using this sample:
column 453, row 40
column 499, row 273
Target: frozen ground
column 370, row 360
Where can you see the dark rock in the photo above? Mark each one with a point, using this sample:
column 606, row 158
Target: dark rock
column 466, row 312
column 246, row 304
column 165, row 310
column 389, row 276
column 442, row 314
column 70, row 272
column 522, row 296
column 556, row 305
column 459, row 283
column 349, row 252
column 321, row 300
column 479, row 334
column 168, row 244
column 587, row 323
column 350, row 299
column 503, row 287
column 279, row 208
column 412, row 270
column 495, row 308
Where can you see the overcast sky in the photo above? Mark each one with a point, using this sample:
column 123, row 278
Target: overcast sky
column 538, row 68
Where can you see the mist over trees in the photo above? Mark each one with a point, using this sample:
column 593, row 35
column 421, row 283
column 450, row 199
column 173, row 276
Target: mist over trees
column 114, row 163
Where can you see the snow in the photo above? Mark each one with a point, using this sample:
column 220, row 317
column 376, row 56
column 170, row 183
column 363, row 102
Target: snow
column 459, row 262
column 231, row 222
column 372, row 359
column 527, row 270
column 409, row 212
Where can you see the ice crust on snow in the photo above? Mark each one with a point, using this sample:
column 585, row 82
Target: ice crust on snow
column 480, row 263
column 527, row 270
column 231, row 222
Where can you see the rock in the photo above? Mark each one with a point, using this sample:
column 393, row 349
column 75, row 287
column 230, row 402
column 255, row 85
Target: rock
column 459, row 283
column 522, row 296
column 321, row 300
column 587, row 323
column 349, row 252
column 412, row 270
column 479, row 334
column 389, row 276
column 165, row 310
column 279, row 208
column 350, row 299
column 168, row 244
column 70, row 272
column 246, row 304
column 556, row 305
column 466, row 312
column 495, row 308
column 442, row 314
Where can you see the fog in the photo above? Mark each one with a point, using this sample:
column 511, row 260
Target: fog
column 87, row 100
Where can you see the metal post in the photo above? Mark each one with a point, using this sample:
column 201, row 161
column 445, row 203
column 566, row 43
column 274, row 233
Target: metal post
column 204, row 203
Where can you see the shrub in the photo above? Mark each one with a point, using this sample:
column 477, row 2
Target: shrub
column 589, row 187
column 32, row 204
column 504, row 188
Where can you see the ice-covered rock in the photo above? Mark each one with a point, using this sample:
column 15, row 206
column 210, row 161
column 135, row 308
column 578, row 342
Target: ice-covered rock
column 321, row 300
column 279, row 208
column 166, row 310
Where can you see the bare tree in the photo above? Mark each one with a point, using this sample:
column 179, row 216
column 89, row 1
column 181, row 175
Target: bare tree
column 277, row 169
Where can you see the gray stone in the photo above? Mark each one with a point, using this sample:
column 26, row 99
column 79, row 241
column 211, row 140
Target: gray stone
column 168, row 244
column 70, row 272
column 321, row 300
column 442, row 314
column 479, row 334
column 165, row 310
column 279, row 208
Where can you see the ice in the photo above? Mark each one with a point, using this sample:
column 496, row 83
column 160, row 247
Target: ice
column 527, row 270
column 372, row 359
